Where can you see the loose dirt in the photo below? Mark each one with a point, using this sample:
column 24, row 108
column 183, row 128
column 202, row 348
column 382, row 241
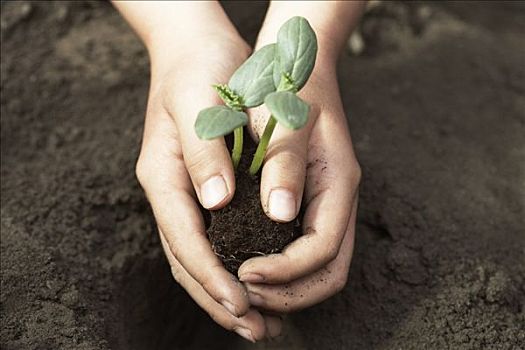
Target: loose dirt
column 242, row 230
column 436, row 107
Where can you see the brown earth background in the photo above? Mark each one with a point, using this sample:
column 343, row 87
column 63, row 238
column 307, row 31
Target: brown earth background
column 436, row 105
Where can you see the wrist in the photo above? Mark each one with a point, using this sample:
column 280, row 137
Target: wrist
column 332, row 22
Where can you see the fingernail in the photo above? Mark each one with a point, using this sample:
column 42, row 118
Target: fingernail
column 230, row 307
column 245, row 333
column 213, row 191
column 251, row 278
column 281, row 204
column 255, row 299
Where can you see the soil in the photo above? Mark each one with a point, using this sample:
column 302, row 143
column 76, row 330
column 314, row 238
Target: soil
column 242, row 230
column 436, row 106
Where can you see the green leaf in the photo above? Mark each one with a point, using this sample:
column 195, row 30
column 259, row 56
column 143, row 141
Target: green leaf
column 296, row 52
column 288, row 109
column 218, row 121
column 253, row 80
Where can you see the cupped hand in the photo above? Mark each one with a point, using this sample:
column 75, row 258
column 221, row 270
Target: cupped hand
column 177, row 170
column 318, row 158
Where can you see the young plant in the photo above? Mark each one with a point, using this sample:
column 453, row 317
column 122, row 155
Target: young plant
column 247, row 88
column 294, row 61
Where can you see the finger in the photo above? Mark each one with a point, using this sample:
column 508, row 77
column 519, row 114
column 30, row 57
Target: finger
column 284, row 171
column 309, row 290
column 332, row 180
column 184, row 231
column 208, row 162
column 169, row 190
column 252, row 326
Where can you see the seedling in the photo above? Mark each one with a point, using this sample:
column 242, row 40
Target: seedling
column 294, row 61
column 247, row 88
column 273, row 75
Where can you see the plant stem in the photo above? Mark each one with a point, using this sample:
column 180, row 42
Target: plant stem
column 263, row 145
column 237, row 146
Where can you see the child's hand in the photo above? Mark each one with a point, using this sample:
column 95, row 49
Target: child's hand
column 193, row 45
column 174, row 165
column 318, row 158
column 315, row 266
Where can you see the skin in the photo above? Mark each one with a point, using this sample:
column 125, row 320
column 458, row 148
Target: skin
column 193, row 45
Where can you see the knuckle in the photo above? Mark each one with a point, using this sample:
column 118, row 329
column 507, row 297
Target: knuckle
column 293, row 162
column 199, row 162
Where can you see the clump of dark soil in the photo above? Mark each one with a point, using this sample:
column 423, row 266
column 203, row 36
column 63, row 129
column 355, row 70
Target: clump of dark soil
column 242, row 230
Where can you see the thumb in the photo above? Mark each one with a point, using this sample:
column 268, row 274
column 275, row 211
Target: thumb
column 284, row 170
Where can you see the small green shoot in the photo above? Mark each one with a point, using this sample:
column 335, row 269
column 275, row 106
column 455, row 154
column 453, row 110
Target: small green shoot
column 273, row 75
column 247, row 88
column 294, row 62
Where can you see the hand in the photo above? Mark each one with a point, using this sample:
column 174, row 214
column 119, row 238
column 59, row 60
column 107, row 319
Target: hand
column 320, row 159
column 176, row 170
column 193, row 45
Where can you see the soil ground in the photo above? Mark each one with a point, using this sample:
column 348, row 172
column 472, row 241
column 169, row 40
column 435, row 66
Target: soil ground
column 436, row 104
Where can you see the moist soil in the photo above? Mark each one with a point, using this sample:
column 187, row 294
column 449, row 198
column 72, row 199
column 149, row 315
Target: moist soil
column 242, row 230
column 435, row 102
